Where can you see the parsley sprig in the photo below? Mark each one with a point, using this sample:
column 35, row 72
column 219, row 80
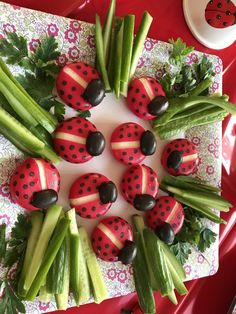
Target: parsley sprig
column 185, row 77
column 192, row 234
column 40, row 68
column 12, row 252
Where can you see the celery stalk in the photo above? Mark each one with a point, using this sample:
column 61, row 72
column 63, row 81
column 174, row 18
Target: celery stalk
column 17, row 106
column 100, row 53
column 107, row 29
column 139, row 41
column 34, row 109
column 19, row 132
column 118, row 58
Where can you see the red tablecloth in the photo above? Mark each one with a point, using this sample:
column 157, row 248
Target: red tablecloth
column 208, row 295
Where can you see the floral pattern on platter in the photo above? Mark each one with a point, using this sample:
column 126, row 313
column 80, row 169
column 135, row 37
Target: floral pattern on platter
column 76, row 42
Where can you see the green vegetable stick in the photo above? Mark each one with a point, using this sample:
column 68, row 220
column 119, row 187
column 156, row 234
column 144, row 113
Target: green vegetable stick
column 62, row 298
column 55, row 276
column 111, row 61
column 74, row 253
column 44, row 296
column 100, row 53
column 107, row 30
column 139, row 227
column 127, row 47
column 188, row 182
column 139, row 41
column 36, row 223
column 49, row 224
column 118, row 58
column 4, row 67
column 100, row 292
column 206, row 198
column 203, row 85
column 204, row 210
column 50, row 254
column 158, row 262
column 34, row 109
column 141, row 278
column 19, row 132
column 191, row 112
column 17, row 106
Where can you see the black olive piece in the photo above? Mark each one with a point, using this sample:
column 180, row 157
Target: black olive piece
column 45, row 198
column 175, row 159
column 107, row 192
column 144, row 202
column 128, row 252
column 148, row 143
column 158, row 105
column 95, row 143
column 94, row 92
column 125, row 311
column 165, row 233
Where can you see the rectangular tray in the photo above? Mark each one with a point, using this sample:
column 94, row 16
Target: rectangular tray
column 76, row 42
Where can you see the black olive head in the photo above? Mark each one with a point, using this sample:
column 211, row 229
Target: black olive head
column 95, row 143
column 148, row 143
column 144, row 202
column 45, row 198
column 128, row 253
column 166, row 233
column 94, row 92
column 174, row 160
column 107, row 192
column 158, row 105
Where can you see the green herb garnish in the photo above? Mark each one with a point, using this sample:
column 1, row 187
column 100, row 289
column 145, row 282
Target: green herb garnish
column 40, row 68
column 12, row 252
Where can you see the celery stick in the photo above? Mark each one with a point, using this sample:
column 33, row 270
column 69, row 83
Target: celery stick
column 49, row 224
column 19, row 109
column 107, row 29
column 48, row 153
column 15, row 142
column 172, row 297
column 118, row 58
column 203, row 85
column 100, row 53
column 34, row 109
column 111, row 61
column 19, row 132
column 62, row 298
column 44, row 296
column 98, row 283
column 48, row 115
column 127, row 48
column 36, row 222
column 139, row 41
column 50, row 254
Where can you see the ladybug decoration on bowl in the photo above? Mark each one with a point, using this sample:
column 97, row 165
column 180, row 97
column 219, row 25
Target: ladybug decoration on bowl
column 220, row 13
column 130, row 143
column 112, row 240
column 34, row 184
column 180, row 157
column 77, row 140
column 79, row 86
column 146, row 98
